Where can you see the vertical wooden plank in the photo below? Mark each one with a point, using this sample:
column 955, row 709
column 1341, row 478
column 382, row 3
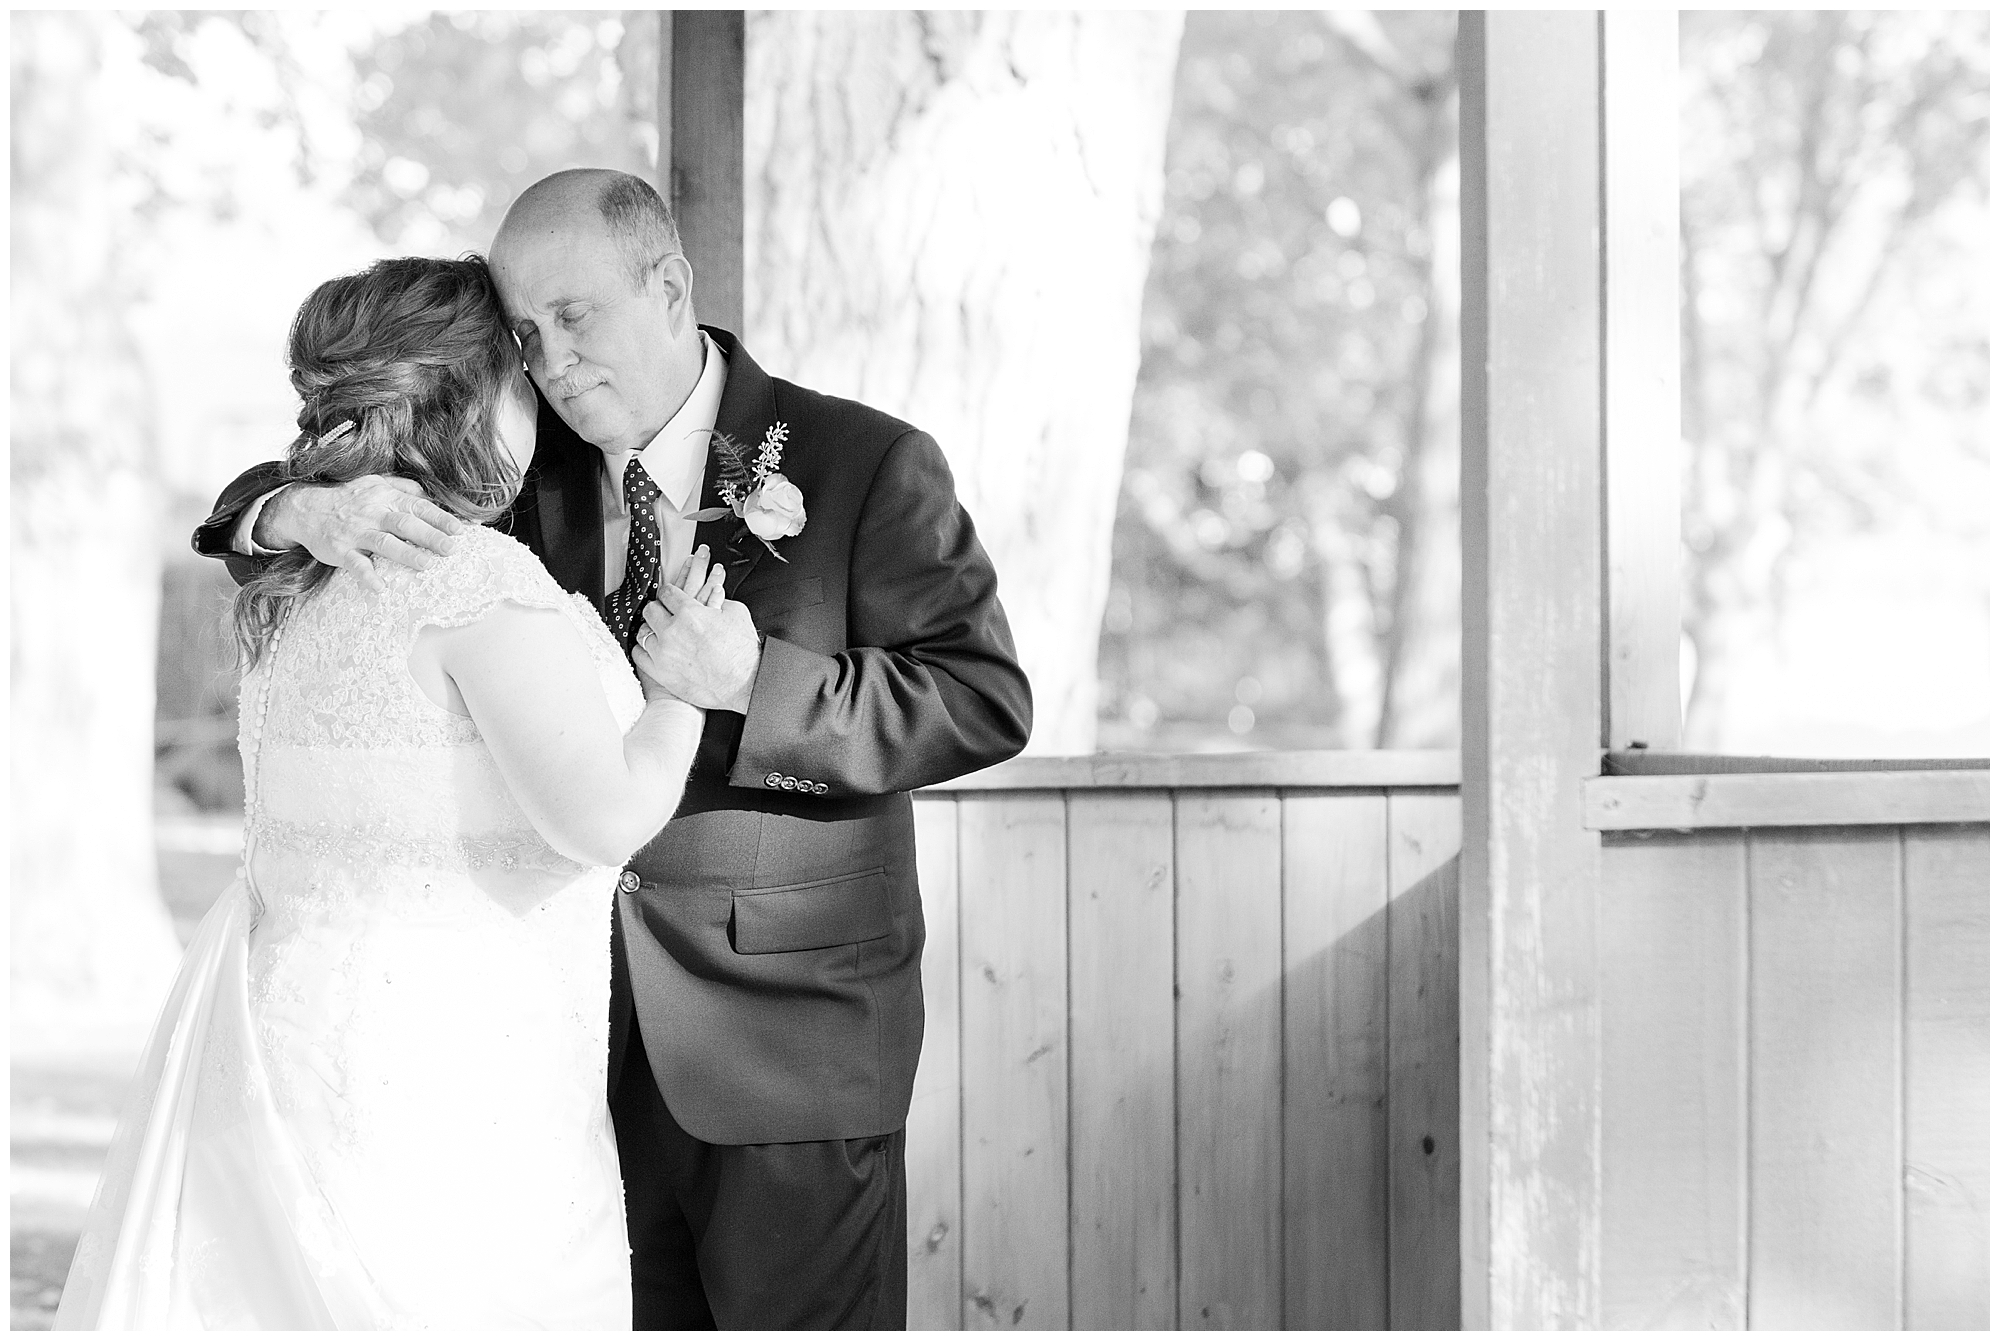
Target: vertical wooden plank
column 1228, row 876
column 1014, row 1058
column 931, row 1160
column 1336, row 1025
column 1642, row 379
column 1533, row 675
column 1475, row 924
column 1947, row 1064
column 1423, row 1103
column 701, row 151
column 1673, row 950
column 1825, row 1079
column 1121, row 1012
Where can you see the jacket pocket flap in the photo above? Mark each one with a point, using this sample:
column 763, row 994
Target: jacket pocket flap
column 843, row 910
column 779, row 597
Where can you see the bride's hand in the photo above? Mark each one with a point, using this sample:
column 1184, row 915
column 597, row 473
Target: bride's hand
column 699, row 578
column 701, row 581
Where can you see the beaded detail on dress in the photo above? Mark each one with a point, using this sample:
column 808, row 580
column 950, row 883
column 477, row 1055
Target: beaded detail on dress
column 453, row 852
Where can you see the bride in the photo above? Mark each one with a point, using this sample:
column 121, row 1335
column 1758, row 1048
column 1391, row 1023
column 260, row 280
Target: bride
column 376, row 1093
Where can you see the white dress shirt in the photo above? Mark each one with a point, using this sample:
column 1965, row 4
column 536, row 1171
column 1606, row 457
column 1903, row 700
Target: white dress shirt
column 676, row 459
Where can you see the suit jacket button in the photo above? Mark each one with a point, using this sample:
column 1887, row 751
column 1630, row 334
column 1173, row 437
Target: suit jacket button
column 774, row 779
column 790, row 784
column 628, row 881
column 819, row 789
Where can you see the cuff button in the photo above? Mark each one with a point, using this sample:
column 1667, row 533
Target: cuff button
column 774, row 779
column 819, row 789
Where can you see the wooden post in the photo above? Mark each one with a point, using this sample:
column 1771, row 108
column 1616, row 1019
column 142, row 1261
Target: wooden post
column 1642, row 379
column 1532, row 461
column 701, row 152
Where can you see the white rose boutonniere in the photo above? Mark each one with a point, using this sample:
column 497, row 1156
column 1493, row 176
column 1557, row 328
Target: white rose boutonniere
column 775, row 509
column 771, row 506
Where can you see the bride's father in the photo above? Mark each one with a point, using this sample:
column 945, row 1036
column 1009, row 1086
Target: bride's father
column 766, row 1011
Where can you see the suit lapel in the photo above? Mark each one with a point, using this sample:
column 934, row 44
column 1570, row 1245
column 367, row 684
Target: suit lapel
column 718, row 535
column 749, row 408
column 569, row 506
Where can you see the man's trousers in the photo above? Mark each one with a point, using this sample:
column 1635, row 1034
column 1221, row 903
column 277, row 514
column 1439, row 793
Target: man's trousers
column 806, row 1234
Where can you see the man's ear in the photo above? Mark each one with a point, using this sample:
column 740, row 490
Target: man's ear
column 675, row 278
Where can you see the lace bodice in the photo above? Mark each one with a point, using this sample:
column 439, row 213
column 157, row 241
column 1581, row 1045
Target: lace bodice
column 347, row 759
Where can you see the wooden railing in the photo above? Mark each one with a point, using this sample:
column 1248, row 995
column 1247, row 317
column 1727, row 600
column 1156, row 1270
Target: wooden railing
column 1191, row 1055
column 1794, row 1074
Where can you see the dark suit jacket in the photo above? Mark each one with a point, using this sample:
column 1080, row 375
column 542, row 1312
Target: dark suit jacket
column 769, row 952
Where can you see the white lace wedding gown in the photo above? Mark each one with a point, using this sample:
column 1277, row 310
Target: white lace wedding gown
column 375, row 1097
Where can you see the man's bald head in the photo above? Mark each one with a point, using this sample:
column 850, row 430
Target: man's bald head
column 624, row 206
column 599, row 295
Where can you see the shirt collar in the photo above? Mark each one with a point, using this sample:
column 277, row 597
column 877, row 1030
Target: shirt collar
column 679, row 451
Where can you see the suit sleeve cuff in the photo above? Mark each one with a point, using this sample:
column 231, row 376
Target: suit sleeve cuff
column 244, row 539
column 767, row 756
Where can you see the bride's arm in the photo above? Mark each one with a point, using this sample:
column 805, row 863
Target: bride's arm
column 528, row 681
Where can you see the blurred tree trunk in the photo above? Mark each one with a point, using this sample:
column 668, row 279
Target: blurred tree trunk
column 93, row 948
column 1422, row 709
column 1353, row 642
column 1395, row 652
column 950, row 217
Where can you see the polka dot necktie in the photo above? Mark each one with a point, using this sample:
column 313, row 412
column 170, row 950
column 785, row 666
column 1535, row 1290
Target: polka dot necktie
column 642, row 555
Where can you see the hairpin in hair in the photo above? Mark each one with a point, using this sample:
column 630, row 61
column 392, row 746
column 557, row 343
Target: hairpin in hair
column 328, row 439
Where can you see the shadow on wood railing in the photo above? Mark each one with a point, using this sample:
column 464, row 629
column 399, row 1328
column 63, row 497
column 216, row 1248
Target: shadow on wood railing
column 1191, row 1053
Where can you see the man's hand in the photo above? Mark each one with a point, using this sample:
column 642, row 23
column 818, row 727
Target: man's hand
column 373, row 520
column 700, row 647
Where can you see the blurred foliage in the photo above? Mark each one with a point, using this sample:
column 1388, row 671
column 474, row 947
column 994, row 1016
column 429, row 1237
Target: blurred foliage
column 429, row 125
column 1279, row 400
column 1835, row 233
column 1835, row 370
column 461, row 112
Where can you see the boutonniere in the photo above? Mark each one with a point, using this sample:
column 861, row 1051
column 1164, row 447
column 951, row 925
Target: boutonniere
column 770, row 505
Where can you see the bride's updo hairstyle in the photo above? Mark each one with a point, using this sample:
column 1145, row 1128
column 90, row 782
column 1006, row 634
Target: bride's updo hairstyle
column 402, row 370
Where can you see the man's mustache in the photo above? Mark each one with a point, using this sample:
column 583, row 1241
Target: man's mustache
column 564, row 388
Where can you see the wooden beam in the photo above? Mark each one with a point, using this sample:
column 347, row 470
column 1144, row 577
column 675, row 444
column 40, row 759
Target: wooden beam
column 933, row 1155
column 1787, row 800
column 1124, row 1260
column 1824, row 1080
column 1014, row 1061
column 1947, row 1062
column 701, row 152
column 1676, row 940
column 1642, row 380
column 1531, row 515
